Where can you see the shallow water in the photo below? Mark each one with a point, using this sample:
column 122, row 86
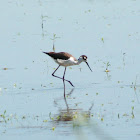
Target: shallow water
column 103, row 105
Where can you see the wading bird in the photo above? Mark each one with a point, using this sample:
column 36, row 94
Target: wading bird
column 65, row 59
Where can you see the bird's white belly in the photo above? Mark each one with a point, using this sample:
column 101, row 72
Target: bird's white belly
column 65, row 63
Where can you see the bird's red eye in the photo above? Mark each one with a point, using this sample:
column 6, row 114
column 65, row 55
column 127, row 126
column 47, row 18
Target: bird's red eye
column 85, row 57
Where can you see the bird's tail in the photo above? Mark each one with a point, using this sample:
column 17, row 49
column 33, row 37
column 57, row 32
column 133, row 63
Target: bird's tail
column 46, row 52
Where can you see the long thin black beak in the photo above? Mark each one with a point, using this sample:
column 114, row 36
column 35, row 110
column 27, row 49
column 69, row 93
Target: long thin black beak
column 88, row 66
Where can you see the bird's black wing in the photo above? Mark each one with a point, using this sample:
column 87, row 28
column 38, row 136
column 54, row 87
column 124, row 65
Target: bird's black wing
column 60, row 55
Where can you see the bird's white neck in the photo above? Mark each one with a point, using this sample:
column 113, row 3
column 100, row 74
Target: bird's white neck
column 79, row 61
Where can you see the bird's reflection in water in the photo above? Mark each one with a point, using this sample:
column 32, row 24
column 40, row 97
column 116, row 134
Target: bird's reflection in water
column 72, row 114
column 78, row 118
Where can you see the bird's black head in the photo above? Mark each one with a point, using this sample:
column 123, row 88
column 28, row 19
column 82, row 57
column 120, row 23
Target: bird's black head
column 84, row 57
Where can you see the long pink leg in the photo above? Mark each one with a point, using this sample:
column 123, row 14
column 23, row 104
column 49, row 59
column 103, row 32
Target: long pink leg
column 60, row 77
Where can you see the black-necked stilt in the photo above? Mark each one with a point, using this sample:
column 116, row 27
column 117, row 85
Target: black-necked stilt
column 65, row 59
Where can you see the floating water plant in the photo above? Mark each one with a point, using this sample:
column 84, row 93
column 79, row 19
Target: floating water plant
column 102, row 39
column 132, row 113
column 107, row 65
column 5, row 68
column 45, row 120
column 51, row 116
column 3, row 116
column 54, row 38
column 53, row 47
column 88, row 11
column 102, row 119
column 53, row 128
column 118, row 115
column 23, row 117
column 15, row 85
column 97, row 93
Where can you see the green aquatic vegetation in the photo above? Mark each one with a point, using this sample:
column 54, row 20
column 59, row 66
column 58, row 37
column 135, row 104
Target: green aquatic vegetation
column 124, row 59
column 133, row 101
column 80, row 119
column 125, row 114
column 53, row 47
column 54, row 37
column 60, row 19
column 23, row 117
column 102, row 119
column 5, row 68
column 131, row 85
column 53, row 128
column 118, row 115
column 107, row 65
column 132, row 113
column 51, row 117
column 134, row 84
column 58, row 117
column 43, row 20
column 71, row 115
column 76, row 125
column 133, row 116
column 102, row 39
column 3, row 117
column 15, row 85
column 18, row 33
column 88, row 11
column 45, row 121
column 97, row 93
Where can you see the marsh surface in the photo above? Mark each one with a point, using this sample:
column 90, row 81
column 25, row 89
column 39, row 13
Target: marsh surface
column 105, row 103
